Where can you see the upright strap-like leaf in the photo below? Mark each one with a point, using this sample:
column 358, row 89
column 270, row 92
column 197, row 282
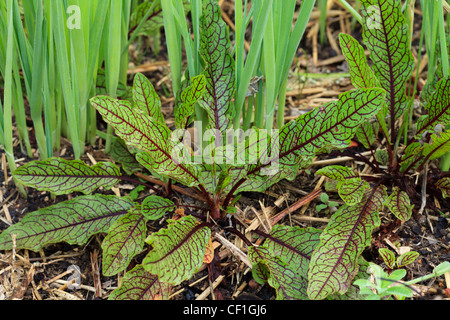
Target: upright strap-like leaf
column 177, row 251
column 62, row 176
column 334, row 263
column 139, row 284
column 219, row 69
column 385, row 34
column 140, row 130
column 72, row 221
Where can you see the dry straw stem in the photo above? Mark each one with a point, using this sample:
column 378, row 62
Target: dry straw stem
column 208, row 290
column 337, row 160
column 234, row 250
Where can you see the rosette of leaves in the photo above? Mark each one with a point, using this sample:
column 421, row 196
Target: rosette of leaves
column 292, row 260
column 393, row 186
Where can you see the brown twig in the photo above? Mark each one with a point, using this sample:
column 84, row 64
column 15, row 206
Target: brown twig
column 297, row 205
column 96, row 274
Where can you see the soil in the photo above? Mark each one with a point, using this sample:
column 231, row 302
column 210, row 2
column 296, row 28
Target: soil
column 41, row 275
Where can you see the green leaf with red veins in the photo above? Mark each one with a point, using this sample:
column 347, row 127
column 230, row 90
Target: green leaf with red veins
column 388, row 257
column 146, row 98
column 353, row 293
column 288, row 284
column 410, row 154
column 352, row 190
column 123, row 92
column 249, row 163
column 154, row 207
column 438, row 146
column 339, row 173
column 219, row 67
column 258, row 182
column 329, row 126
column 288, row 248
column 361, row 74
column 125, row 239
column 121, row 154
column 73, row 221
column 416, row 156
column 260, row 272
column 367, row 133
column 154, row 20
column 334, row 262
column 62, row 176
column 350, row 187
column 382, row 157
column 189, row 97
column 399, row 204
column 293, row 245
column 140, row 130
column 407, row 258
column 444, row 185
column 178, row 251
column 139, row 284
column 438, row 107
column 385, row 33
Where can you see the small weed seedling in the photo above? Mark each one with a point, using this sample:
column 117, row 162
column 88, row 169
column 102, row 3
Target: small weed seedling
column 403, row 260
column 326, row 203
column 382, row 285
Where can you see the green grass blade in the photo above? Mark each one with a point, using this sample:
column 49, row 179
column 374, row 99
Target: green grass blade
column 270, row 70
column 113, row 57
column 443, row 40
column 196, row 12
column 260, row 20
column 37, row 83
column 173, row 38
column 24, row 48
column 7, row 106
column 62, row 59
column 323, row 19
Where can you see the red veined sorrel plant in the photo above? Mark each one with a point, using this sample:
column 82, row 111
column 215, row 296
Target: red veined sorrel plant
column 300, row 263
column 335, row 260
